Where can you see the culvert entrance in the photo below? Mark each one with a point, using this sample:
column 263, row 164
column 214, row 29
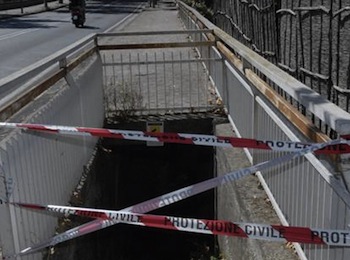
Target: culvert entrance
column 130, row 172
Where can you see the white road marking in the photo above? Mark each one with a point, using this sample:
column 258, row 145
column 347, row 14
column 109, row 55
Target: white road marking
column 17, row 33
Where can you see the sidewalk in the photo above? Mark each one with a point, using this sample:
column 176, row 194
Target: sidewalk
column 32, row 9
column 161, row 18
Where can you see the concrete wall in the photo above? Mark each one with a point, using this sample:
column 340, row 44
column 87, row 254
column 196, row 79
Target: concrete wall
column 45, row 168
column 244, row 201
column 12, row 4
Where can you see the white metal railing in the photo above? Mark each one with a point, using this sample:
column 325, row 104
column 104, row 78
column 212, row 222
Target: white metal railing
column 142, row 79
column 305, row 192
column 46, row 168
column 17, row 85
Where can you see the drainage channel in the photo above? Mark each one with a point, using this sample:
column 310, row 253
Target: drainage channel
column 128, row 172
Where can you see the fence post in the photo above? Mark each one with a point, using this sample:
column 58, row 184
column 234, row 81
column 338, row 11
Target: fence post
column 224, row 84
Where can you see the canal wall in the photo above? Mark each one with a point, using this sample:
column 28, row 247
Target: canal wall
column 244, row 201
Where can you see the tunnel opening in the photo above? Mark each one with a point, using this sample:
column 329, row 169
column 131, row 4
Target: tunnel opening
column 129, row 172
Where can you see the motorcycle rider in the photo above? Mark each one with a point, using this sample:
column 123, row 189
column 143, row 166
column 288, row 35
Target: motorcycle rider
column 78, row 5
column 152, row 3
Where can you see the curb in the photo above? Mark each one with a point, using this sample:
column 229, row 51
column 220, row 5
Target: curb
column 40, row 9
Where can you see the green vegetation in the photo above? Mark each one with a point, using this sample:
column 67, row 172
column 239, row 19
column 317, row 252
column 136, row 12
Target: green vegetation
column 203, row 7
column 123, row 101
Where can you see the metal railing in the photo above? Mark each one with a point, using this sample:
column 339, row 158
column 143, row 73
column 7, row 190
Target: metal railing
column 306, row 192
column 18, row 89
column 147, row 77
column 46, row 168
column 305, row 39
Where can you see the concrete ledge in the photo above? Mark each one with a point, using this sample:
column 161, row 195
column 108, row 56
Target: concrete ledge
column 244, row 201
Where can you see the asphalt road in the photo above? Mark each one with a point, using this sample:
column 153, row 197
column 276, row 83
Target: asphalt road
column 25, row 40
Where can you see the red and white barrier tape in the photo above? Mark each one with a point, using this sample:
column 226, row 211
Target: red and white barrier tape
column 173, row 197
column 212, row 227
column 181, row 138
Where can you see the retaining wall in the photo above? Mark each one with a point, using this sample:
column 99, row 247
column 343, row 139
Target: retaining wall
column 244, row 201
column 13, row 4
column 45, row 168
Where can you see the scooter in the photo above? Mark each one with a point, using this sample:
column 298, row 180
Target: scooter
column 78, row 17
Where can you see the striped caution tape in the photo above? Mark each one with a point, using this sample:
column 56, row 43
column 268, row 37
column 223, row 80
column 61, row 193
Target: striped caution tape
column 181, row 138
column 173, row 197
column 213, row 227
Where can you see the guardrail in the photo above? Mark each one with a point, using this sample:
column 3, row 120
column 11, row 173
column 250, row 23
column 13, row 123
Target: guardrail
column 315, row 104
column 53, row 166
column 22, row 87
column 77, row 92
column 147, row 77
column 19, row 88
column 262, row 102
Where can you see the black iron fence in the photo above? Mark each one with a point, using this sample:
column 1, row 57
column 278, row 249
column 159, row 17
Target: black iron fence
column 308, row 39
